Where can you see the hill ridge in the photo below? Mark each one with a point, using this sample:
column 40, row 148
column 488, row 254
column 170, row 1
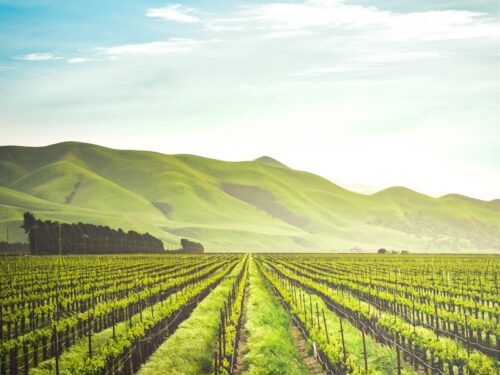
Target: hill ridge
column 246, row 205
column 267, row 160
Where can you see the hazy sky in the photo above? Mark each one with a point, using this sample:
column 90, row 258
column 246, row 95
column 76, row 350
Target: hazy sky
column 374, row 92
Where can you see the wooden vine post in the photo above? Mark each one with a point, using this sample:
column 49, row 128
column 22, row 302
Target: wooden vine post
column 89, row 326
column 311, row 311
column 113, row 323
column 343, row 341
column 220, row 342
column 398, row 353
column 56, row 348
column 365, row 355
column 216, row 363
column 326, row 328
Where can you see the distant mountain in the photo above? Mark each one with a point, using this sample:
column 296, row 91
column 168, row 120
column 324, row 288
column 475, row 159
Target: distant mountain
column 266, row 160
column 249, row 205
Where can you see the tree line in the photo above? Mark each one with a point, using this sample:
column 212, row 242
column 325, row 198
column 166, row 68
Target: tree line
column 52, row 237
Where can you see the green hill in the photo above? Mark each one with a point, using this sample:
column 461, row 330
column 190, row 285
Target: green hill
column 250, row 205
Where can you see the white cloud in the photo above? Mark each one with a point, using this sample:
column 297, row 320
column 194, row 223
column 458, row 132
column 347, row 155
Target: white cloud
column 234, row 22
column 284, row 20
column 44, row 56
column 152, row 48
column 77, row 60
column 316, row 13
column 218, row 26
column 173, row 12
column 441, row 25
column 327, row 14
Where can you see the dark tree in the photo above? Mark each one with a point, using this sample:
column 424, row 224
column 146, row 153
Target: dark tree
column 382, row 251
column 82, row 238
column 30, row 226
column 28, row 222
column 191, row 247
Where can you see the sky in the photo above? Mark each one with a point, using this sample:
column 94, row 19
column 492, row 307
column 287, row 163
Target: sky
column 368, row 94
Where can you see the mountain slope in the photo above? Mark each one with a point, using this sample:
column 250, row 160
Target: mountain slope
column 251, row 205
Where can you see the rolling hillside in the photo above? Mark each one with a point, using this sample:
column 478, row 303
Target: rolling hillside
column 250, row 205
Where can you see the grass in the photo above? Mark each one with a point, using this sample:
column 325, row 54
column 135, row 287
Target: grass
column 270, row 347
column 190, row 349
column 121, row 189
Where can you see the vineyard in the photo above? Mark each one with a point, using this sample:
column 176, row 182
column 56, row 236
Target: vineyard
column 220, row 314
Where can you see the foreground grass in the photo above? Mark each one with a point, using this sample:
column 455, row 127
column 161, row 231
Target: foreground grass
column 190, row 348
column 270, row 347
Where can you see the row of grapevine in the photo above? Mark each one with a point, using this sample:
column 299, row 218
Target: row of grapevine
column 125, row 353
column 477, row 326
column 70, row 302
column 420, row 345
column 85, row 303
column 230, row 326
column 330, row 349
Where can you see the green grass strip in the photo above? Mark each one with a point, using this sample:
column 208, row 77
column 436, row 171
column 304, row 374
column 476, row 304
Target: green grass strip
column 190, row 348
column 270, row 347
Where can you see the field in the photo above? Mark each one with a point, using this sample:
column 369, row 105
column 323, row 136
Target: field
column 250, row 314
